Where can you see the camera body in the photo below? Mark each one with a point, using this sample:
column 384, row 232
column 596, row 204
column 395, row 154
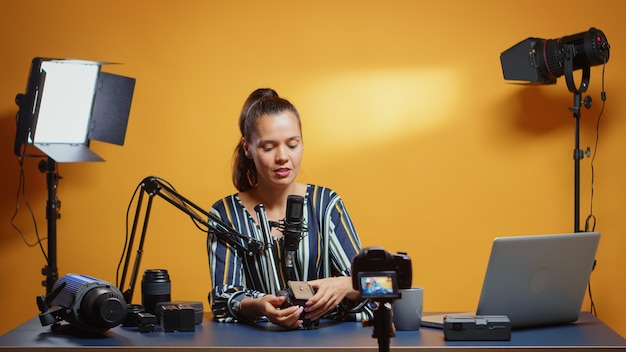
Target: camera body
column 378, row 274
column 296, row 294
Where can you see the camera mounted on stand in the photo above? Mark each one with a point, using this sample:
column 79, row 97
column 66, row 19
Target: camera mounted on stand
column 379, row 276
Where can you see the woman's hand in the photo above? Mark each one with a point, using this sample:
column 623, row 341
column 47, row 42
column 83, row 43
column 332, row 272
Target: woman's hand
column 330, row 292
column 268, row 305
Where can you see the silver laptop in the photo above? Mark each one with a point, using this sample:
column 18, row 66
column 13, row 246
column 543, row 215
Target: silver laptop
column 535, row 280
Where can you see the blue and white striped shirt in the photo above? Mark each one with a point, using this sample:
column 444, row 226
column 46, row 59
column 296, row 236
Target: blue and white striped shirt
column 326, row 251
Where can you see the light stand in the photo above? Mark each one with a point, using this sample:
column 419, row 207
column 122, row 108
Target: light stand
column 152, row 186
column 542, row 61
column 67, row 104
column 577, row 91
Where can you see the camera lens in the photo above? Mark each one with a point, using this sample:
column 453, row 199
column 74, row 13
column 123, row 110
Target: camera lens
column 155, row 287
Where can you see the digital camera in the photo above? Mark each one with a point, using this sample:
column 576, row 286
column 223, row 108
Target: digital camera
column 378, row 274
column 296, row 294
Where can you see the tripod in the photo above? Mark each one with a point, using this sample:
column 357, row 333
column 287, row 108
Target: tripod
column 383, row 325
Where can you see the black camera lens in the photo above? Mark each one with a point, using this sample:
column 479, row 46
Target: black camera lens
column 155, row 287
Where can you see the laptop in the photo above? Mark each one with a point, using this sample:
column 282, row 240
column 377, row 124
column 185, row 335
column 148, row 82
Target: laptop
column 534, row 280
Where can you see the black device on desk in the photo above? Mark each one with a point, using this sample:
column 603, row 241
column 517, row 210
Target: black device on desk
column 476, row 328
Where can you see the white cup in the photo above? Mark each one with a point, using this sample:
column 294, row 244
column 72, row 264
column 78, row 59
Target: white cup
column 407, row 310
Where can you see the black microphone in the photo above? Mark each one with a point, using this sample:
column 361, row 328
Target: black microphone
column 293, row 229
column 294, row 222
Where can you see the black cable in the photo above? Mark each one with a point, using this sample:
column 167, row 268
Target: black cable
column 21, row 190
column 591, row 217
column 127, row 230
column 592, row 305
column 130, row 203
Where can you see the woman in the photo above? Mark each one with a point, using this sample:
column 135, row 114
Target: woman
column 266, row 163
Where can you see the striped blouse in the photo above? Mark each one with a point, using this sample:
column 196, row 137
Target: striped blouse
column 326, row 251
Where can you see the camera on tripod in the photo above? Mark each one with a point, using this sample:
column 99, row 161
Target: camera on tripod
column 379, row 275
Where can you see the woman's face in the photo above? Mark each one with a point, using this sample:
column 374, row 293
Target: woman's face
column 276, row 149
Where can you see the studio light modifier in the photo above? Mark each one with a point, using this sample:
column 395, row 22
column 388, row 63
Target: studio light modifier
column 543, row 60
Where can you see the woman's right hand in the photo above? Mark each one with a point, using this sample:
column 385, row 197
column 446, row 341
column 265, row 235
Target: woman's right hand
column 268, row 305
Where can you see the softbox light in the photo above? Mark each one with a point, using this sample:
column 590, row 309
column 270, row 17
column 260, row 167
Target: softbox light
column 68, row 103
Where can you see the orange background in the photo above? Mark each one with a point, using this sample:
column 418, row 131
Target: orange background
column 405, row 114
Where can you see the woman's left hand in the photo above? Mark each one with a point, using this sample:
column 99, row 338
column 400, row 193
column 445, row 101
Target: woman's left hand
column 330, row 292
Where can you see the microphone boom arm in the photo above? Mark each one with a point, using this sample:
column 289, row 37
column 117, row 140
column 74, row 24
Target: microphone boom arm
column 152, row 186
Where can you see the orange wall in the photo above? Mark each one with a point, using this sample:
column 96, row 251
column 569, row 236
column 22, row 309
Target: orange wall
column 405, row 114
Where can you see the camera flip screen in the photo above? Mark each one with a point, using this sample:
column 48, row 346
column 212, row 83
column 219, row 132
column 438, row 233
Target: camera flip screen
column 378, row 284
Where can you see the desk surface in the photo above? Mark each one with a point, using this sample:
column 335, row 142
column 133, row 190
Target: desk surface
column 587, row 334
